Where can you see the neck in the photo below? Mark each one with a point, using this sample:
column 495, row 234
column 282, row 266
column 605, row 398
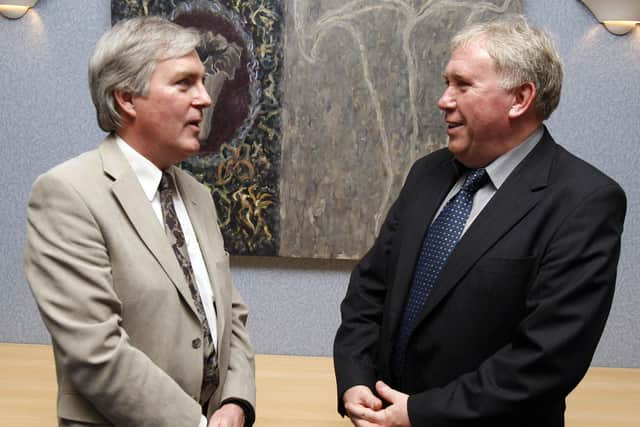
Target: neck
column 143, row 147
column 499, row 145
column 522, row 130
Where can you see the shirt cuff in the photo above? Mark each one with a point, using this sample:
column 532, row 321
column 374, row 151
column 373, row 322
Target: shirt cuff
column 203, row 421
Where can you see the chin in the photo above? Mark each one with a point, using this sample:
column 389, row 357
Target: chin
column 457, row 147
column 192, row 146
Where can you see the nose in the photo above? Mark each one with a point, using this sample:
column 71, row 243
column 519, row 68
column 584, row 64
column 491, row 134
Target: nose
column 202, row 98
column 447, row 100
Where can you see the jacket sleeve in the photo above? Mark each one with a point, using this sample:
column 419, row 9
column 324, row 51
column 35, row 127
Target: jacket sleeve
column 240, row 384
column 68, row 268
column 357, row 339
column 566, row 309
column 239, row 379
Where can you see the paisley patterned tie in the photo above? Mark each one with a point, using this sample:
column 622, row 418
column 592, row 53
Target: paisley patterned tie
column 178, row 243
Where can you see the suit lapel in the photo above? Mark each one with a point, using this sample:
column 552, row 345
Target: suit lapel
column 197, row 202
column 127, row 190
column 519, row 194
column 429, row 194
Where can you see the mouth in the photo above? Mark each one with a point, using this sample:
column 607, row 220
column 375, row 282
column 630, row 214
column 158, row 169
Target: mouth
column 195, row 123
column 451, row 126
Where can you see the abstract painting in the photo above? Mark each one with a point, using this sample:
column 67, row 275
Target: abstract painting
column 321, row 107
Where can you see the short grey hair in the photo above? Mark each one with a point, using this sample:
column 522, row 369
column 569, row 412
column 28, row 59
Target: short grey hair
column 126, row 56
column 521, row 54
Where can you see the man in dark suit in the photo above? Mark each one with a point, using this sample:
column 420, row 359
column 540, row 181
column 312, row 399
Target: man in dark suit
column 486, row 292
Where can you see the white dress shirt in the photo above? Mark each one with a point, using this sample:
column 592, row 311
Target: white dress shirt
column 149, row 176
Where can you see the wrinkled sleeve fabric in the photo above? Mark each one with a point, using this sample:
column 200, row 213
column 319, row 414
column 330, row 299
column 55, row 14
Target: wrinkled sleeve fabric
column 239, row 386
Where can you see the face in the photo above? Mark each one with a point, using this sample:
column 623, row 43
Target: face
column 167, row 120
column 476, row 108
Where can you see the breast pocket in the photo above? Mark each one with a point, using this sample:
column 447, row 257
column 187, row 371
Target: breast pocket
column 498, row 273
column 505, row 279
column 496, row 292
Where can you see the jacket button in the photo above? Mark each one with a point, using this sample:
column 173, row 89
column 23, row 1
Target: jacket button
column 196, row 343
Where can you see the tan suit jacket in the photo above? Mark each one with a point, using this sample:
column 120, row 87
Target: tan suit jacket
column 123, row 324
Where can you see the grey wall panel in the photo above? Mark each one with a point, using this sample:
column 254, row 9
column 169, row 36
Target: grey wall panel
column 45, row 117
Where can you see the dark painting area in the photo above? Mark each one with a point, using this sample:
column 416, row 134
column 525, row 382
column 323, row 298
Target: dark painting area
column 239, row 155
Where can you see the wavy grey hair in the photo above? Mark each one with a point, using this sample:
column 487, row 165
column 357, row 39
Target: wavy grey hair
column 124, row 59
column 521, row 54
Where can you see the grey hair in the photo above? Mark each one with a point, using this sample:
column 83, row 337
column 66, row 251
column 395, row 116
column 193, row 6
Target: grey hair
column 125, row 57
column 521, row 54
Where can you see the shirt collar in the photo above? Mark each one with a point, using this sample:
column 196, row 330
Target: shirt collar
column 500, row 169
column 147, row 173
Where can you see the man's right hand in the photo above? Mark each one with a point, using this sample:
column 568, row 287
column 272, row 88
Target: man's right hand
column 357, row 400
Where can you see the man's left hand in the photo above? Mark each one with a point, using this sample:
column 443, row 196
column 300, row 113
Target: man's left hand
column 394, row 415
column 228, row 415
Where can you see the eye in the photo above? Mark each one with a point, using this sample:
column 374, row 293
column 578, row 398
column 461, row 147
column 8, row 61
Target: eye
column 461, row 84
column 185, row 82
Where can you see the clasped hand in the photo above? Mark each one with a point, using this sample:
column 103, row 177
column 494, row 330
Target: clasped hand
column 366, row 410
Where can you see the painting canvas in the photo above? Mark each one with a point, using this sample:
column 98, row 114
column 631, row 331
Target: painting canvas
column 320, row 108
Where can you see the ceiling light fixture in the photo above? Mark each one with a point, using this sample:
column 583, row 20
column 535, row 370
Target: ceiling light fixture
column 618, row 16
column 14, row 9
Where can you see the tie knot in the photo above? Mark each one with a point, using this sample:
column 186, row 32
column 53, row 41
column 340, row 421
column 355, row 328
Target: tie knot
column 165, row 182
column 474, row 181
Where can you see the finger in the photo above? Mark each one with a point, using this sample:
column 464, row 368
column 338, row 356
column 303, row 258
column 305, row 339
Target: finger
column 374, row 403
column 354, row 410
column 358, row 413
column 362, row 395
column 360, row 418
column 374, row 417
column 386, row 392
column 363, row 423
column 369, row 400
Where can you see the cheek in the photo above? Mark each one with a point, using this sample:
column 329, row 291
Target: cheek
column 172, row 118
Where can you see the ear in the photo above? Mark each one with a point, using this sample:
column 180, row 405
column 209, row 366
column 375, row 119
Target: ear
column 124, row 102
column 523, row 98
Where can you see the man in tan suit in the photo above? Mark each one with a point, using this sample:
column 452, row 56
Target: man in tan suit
column 132, row 281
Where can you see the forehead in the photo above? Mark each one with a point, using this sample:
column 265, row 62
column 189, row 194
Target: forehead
column 470, row 59
column 187, row 64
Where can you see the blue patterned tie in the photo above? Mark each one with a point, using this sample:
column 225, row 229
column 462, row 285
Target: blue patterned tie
column 441, row 239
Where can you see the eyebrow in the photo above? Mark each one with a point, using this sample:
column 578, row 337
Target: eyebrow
column 457, row 77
